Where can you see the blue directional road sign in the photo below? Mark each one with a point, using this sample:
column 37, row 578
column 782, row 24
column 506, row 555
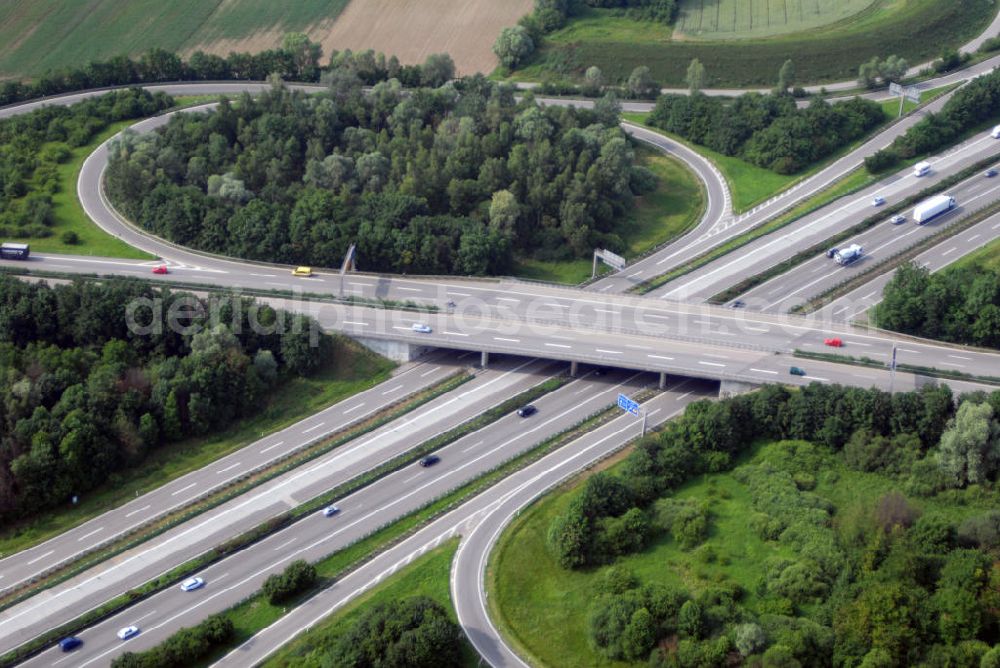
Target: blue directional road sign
column 628, row 405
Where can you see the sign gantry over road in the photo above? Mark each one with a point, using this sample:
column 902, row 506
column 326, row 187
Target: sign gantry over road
column 616, row 262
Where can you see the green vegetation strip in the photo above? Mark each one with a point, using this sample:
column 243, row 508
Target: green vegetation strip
column 853, row 182
column 245, row 539
column 353, row 300
column 865, row 225
column 893, row 261
column 908, row 368
column 285, row 519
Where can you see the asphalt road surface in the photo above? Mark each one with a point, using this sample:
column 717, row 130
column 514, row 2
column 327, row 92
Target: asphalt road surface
column 68, row 600
column 862, row 298
column 886, row 239
column 813, row 228
column 234, row 578
column 83, row 539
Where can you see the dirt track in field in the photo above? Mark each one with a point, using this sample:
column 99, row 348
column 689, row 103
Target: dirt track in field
column 413, row 29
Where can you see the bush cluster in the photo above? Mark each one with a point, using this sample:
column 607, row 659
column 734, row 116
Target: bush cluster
column 769, row 131
column 185, row 648
column 298, row 577
column 884, row 584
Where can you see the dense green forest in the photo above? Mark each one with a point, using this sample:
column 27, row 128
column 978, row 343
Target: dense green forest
column 961, row 306
column 33, row 144
column 769, row 131
column 879, row 586
column 448, row 180
column 86, row 395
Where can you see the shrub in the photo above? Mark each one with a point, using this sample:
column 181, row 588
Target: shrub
column 186, row 647
column 297, row 577
column 69, row 237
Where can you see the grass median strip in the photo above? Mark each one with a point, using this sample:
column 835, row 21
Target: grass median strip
column 158, row 527
column 276, row 523
column 865, row 225
column 893, row 261
column 255, row 613
column 853, row 182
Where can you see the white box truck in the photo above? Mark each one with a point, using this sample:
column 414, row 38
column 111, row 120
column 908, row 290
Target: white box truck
column 921, row 168
column 848, row 255
column 932, row 207
column 996, row 132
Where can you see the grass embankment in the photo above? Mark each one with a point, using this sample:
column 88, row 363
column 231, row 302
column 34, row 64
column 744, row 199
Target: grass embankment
column 69, row 215
column 916, row 30
column 354, row 369
column 854, row 181
column 660, row 216
column 986, row 258
column 48, row 34
column 891, row 107
column 544, row 608
column 428, row 576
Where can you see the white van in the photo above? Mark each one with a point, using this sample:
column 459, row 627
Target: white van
column 996, row 132
column 921, row 168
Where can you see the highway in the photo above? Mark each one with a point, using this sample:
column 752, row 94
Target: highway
column 820, row 225
column 886, row 239
column 939, row 256
column 182, row 492
column 493, row 315
column 232, row 579
column 68, row 600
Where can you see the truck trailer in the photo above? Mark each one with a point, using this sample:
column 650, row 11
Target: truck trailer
column 848, row 255
column 9, row 251
column 934, row 206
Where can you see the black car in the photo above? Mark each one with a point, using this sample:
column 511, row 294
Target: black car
column 739, row 303
column 525, row 411
column 429, row 460
column 832, row 252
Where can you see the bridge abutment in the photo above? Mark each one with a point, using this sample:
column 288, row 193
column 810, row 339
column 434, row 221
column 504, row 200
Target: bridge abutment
column 731, row 388
column 397, row 351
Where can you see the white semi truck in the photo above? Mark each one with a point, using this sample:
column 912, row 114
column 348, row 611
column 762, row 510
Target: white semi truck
column 848, row 255
column 932, row 207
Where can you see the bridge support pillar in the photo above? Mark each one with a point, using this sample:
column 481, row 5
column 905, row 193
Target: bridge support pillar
column 573, row 369
column 484, row 359
column 663, row 380
column 397, row 351
column 731, row 388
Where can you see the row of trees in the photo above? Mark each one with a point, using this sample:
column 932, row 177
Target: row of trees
column 973, row 104
column 298, row 59
column 185, row 648
column 94, row 377
column 959, row 305
column 770, row 130
column 33, row 145
column 880, row 585
column 448, row 180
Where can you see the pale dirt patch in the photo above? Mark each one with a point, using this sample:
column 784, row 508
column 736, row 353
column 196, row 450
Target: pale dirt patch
column 262, row 40
column 413, row 29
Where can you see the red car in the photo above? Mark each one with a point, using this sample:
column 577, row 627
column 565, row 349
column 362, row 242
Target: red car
column 836, row 343
column 162, row 269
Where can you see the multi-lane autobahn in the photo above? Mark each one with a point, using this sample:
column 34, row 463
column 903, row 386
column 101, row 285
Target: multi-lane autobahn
column 551, row 323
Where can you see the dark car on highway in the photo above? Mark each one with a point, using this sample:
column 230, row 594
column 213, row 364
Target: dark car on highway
column 69, row 643
column 429, row 460
column 526, row 411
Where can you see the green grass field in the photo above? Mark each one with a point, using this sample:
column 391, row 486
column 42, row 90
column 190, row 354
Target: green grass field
column 69, row 215
column 664, row 214
column 543, row 608
column 917, row 30
column 353, row 370
column 428, row 576
column 38, row 35
column 727, row 19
